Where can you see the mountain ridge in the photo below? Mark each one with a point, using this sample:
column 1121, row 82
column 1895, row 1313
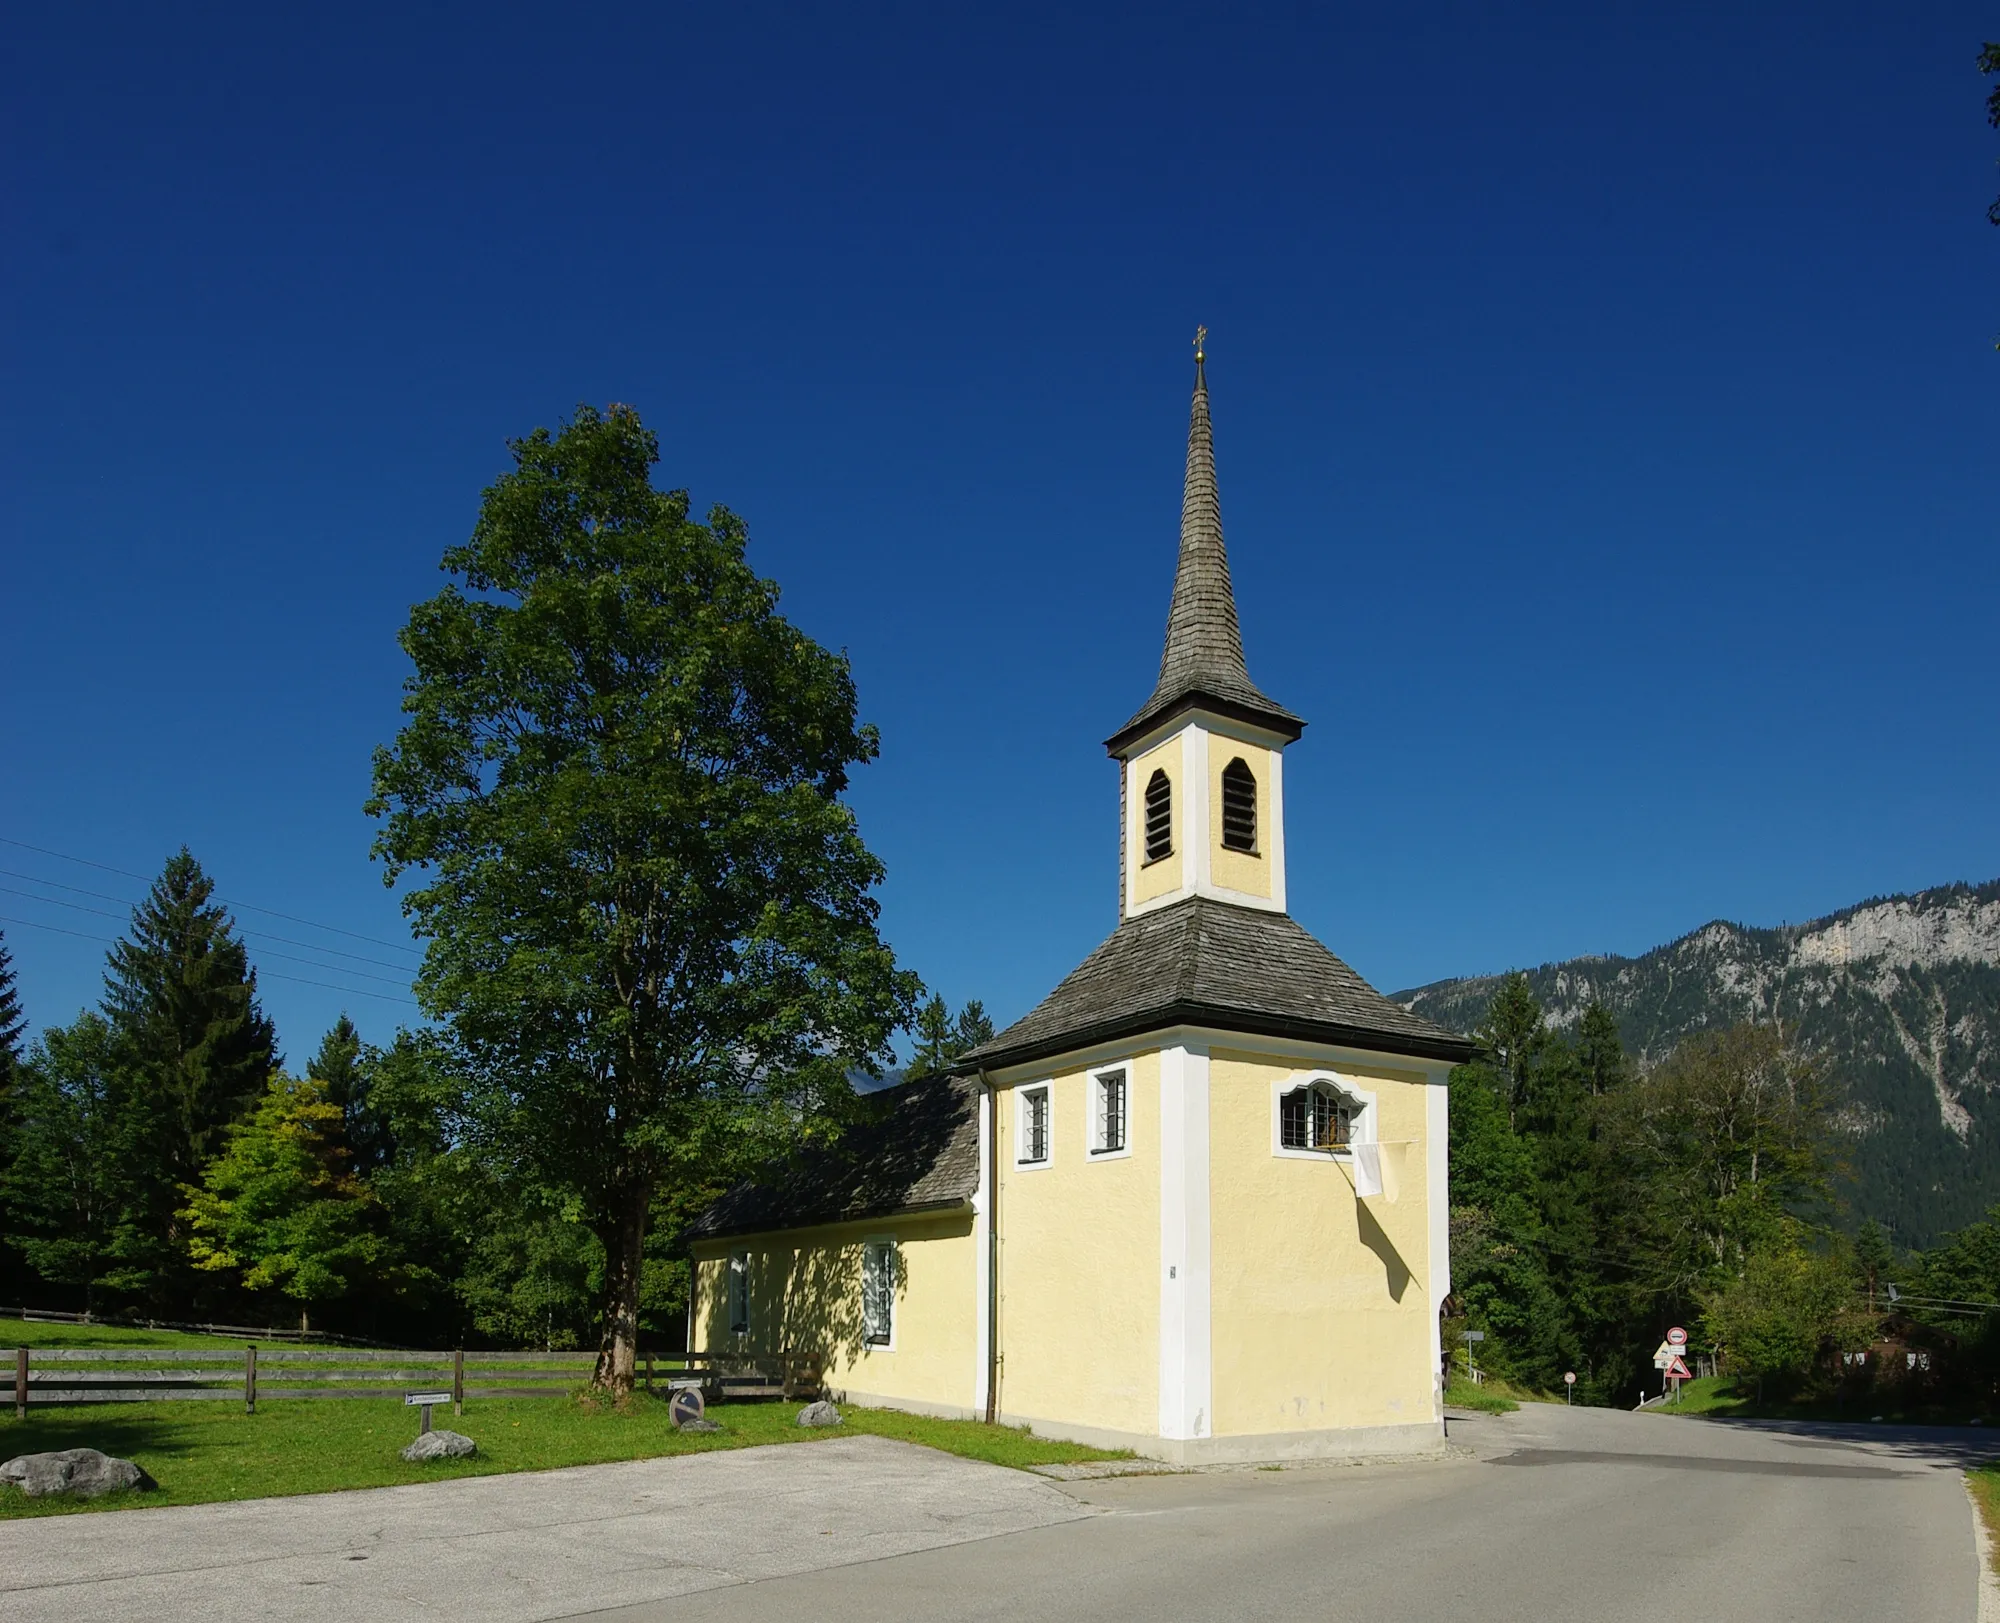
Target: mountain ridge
column 1901, row 993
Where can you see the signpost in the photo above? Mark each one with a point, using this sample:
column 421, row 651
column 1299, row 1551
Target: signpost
column 1669, row 1360
column 1469, row 1337
column 1569, row 1386
column 425, row 1401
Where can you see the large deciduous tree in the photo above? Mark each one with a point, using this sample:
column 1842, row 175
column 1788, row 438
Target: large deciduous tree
column 649, row 911
column 281, row 1208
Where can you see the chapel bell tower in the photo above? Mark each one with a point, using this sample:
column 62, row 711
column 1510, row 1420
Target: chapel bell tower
column 1201, row 764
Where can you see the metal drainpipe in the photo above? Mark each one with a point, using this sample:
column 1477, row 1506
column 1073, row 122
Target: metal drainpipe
column 992, row 1248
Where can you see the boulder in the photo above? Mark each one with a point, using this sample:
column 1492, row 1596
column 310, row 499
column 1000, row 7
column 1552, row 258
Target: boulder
column 703, row 1424
column 821, row 1413
column 441, row 1445
column 83, row 1472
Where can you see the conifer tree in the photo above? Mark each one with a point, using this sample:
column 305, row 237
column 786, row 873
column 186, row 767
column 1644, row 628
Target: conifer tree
column 12, row 1025
column 63, row 1188
column 344, row 1068
column 182, row 998
column 1510, row 1040
column 972, row 1027
column 933, row 1030
column 1601, row 1051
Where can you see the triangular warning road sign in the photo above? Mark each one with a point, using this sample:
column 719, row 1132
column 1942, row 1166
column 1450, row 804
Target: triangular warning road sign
column 1678, row 1370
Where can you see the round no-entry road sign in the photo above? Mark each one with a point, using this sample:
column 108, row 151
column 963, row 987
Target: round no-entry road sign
column 1569, row 1377
column 1677, row 1337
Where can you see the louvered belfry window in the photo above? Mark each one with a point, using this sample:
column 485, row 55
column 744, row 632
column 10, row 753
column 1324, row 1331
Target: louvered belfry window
column 1239, row 807
column 1159, row 817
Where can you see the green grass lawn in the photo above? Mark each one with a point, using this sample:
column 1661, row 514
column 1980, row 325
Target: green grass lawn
column 202, row 1452
column 32, row 1333
column 1985, row 1483
column 1728, row 1396
column 1491, row 1396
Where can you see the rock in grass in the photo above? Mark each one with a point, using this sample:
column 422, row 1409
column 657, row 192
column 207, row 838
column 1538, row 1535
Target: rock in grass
column 821, row 1413
column 703, row 1424
column 83, row 1472
column 441, row 1445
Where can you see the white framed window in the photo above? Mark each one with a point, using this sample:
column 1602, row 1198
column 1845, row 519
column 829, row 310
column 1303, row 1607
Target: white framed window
column 1319, row 1114
column 1110, row 1100
column 1034, row 1148
column 878, row 1292
column 739, row 1293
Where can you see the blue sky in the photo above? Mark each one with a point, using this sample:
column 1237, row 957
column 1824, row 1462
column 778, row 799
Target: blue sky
column 1606, row 407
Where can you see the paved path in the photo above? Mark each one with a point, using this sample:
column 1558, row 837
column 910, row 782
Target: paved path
column 509, row 1549
column 1545, row 1516
column 1550, row 1516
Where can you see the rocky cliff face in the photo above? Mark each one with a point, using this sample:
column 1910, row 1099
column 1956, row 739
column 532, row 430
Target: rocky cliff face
column 1902, row 995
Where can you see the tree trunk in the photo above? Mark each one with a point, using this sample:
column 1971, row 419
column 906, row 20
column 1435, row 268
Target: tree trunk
column 624, row 1248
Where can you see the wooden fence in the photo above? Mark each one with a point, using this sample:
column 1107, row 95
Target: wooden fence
column 48, row 1376
column 260, row 1332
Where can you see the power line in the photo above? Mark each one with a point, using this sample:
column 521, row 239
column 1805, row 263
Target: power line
column 248, row 930
column 248, row 907
column 288, row 957
column 296, row 980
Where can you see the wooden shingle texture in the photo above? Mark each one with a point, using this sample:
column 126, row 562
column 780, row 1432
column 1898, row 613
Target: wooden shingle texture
column 1206, row 963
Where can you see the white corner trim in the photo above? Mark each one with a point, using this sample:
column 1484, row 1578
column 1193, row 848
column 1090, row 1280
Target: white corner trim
column 1363, row 1127
column 982, row 1257
column 1194, row 766
column 1186, row 1262
column 1089, row 1138
column 1437, row 1192
column 1277, row 760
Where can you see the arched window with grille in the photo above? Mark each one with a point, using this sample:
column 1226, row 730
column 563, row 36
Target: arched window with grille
column 1239, row 807
column 1315, row 1117
column 1159, row 817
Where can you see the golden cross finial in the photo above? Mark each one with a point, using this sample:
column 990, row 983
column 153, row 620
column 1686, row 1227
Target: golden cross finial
column 1200, row 338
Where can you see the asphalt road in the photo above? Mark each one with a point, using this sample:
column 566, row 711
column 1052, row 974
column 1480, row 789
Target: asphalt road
column 1551, row 1515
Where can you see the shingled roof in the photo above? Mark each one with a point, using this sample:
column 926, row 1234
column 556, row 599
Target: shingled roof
column 1203, row 656
column 920, row 1154
column 1207, row 963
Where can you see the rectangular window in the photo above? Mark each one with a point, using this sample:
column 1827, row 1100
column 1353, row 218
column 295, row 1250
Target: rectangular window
column 1108, row 1118
column 878, row 1292
column 1034, row 1125
column 739, row 1293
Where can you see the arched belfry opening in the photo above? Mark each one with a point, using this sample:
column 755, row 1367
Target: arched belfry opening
column 1239, row 807
column 1159, row 817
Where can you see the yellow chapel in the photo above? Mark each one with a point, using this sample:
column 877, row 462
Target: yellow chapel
column 1194, row 1203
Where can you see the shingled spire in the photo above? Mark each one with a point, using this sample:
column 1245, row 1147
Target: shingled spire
column 1203, row 657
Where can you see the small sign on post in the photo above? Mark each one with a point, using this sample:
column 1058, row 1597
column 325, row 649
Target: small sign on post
column 1569, row 1386
column 425, row 1402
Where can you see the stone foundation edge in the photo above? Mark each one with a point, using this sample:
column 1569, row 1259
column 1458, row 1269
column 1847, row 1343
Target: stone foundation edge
column 1334, row 1443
